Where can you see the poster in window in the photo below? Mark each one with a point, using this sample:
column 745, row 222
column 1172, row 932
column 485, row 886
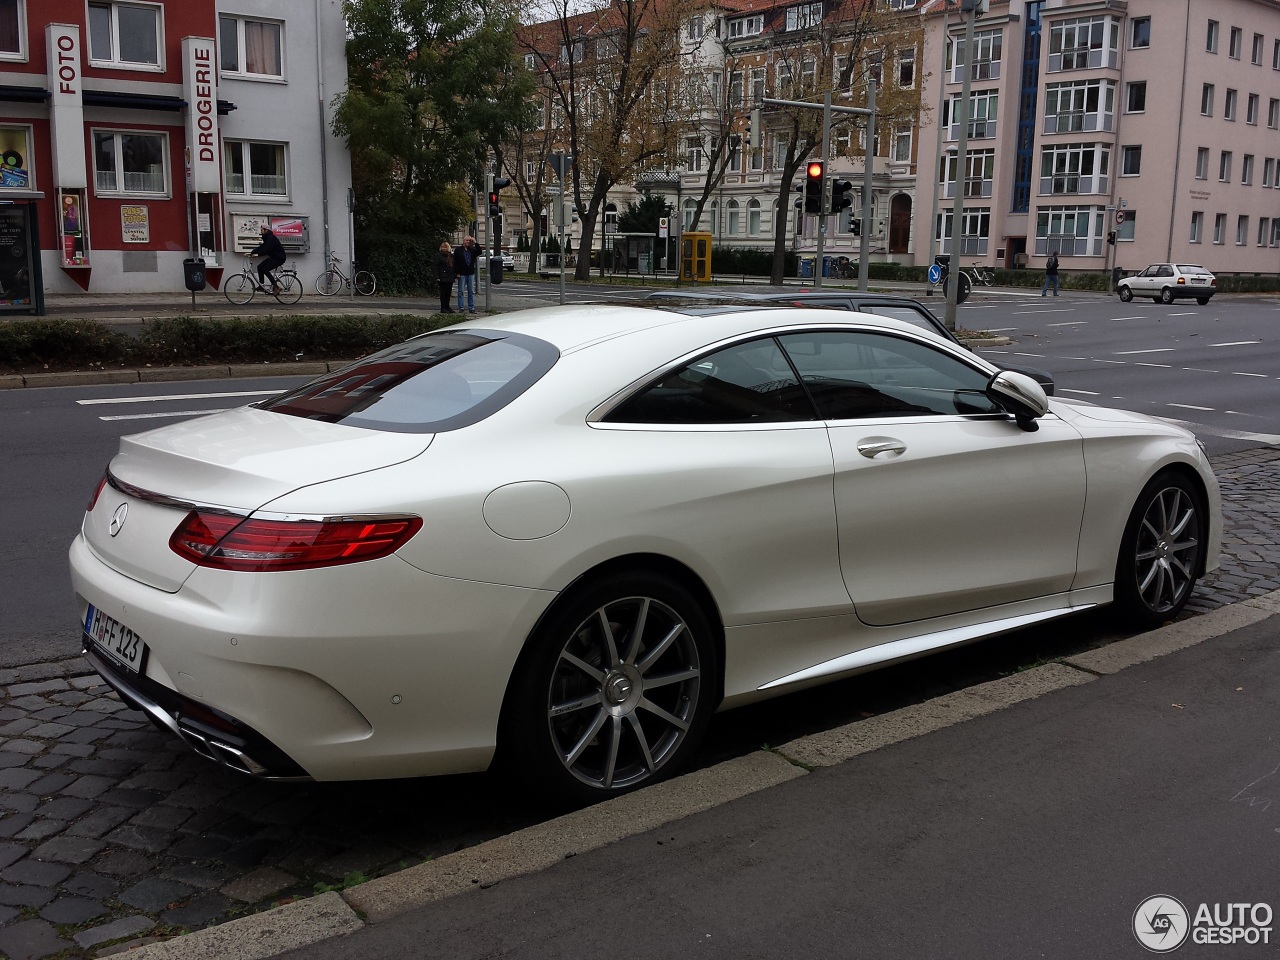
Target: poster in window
column 15, row 158
column 135, row 222
column 15, row 256
column 72, row 229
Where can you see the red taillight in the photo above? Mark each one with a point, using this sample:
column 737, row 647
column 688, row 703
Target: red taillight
column 234, row 543
column 97, row 492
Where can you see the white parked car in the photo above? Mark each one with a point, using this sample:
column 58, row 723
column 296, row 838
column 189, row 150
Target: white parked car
column 570, row 534
column 508, row 262
column 1166, row 282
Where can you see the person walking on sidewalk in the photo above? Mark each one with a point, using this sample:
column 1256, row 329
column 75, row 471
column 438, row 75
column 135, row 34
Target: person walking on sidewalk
column 464, row 265
column 445, row 274
column 1050, row 274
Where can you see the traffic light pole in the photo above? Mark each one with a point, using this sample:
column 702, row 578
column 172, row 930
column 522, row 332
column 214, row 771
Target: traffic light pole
column 962, row 162
column 827, row 109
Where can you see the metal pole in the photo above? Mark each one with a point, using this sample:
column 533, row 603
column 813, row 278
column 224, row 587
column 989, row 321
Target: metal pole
column 824, row 202
column 864, row 236
column 487, row 244
column 957, row 213
column 563, row 217
column 937, row 149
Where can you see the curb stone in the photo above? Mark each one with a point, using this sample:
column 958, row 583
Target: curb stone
column 538, row 847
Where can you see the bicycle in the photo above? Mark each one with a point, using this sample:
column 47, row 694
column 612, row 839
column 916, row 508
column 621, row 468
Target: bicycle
column 980, row 274
column 333, row 279
column 240, row 287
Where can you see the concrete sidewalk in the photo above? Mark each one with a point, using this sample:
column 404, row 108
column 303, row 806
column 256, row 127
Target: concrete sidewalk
column 1028, row 816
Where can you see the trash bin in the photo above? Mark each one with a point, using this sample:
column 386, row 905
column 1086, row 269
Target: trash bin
column 495, row 268
column 193, row 274
column 827, row 264
column 806, row 266
column 1116, row 274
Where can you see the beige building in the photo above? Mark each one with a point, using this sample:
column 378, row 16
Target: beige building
column 1155, row 120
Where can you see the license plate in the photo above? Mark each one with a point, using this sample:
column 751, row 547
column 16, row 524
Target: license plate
column 114, row 639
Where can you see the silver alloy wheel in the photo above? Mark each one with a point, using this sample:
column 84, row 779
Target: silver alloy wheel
column 1166, row 550
column 624, row 692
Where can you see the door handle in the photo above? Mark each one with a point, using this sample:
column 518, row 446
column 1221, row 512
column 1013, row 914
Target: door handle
column 875, row 446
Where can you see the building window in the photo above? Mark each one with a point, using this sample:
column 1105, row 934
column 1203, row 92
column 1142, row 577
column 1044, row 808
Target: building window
column 804, row 16
column 985, row 64
column 1220, row 228
column 1242, row 231
column 1074, row 168
column 734, row 143
column 1264, row 226
column 1141, row 34
column 1197, row 225
column 256, row 169
column 125, row 35
column 530, row 61
column 1206, row 100
column 694, row 28
column 1070, row 231
column 1202, row 163
column 1256, row 57
column 1251, row 110
column 132, row 163
column 1224, row 167
column 692, row 155
column 907, row 68
column 983, row 109
column 753, row 217
column 902, row 144
column 18, row 170
column 1237, row 41
column 1275, row 56
column 736, row 81
column 1273, row 113
column 13, row 30
column 1211, row 37
column 1136, row 97
column 746, row 26
column 250, row 48
column 757, row 84
column 979, row 173
column 1246, row 168
column 1130, row 161
column 1087, row 105
column 1229, row 106
column 1082, row 43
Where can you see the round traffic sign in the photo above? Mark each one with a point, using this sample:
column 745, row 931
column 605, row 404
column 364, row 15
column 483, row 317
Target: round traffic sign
column 935, row 273
column 1119, row 216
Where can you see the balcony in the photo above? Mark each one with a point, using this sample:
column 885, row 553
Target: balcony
column 973, row 187
column 1078, row 122
column 1072, row 183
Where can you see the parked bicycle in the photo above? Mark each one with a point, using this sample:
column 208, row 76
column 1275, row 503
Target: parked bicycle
column 980, row 274
column 241, row 287
column 333, row 279
column 844, row 269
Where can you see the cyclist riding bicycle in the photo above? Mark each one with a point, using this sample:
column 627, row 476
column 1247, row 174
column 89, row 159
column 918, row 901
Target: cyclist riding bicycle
column 272, row 252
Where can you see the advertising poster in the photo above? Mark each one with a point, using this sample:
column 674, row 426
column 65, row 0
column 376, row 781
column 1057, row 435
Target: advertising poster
column 289, row 229
column 15, row 263
column 71, row 224
column 135, row 223
column 247, row 229
column 15, row 158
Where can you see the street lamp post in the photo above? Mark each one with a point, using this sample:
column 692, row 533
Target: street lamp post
column 972, row 8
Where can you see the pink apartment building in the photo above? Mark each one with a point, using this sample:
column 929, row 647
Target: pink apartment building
column 1157, row 121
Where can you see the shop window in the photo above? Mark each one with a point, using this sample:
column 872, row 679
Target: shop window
column 256, row 169
column 17, row 169
column 251, row 48
column 13, row 30
column 125, row 35
column 130, row 163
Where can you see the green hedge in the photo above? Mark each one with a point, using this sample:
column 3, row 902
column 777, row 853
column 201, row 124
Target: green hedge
column 28, row 346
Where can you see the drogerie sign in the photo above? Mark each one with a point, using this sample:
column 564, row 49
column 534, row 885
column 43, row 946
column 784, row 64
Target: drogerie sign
column 200, row 89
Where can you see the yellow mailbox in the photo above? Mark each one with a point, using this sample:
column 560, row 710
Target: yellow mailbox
column 695, row 256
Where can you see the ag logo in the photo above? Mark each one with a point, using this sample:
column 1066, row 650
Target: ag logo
column 1161, row 924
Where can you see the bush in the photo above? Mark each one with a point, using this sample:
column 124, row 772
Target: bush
column 749, row 262
column 35, row 344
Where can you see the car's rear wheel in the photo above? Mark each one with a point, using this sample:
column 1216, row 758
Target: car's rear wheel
column 1126, row 294
column 1161, row 552
column 1166, row 295
column 614, row 691
column 1203, row 301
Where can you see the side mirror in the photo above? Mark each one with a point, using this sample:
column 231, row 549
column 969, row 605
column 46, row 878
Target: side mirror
column 1020, row 396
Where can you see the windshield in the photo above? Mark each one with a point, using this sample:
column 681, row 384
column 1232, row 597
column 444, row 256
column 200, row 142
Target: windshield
column 1191, row 268
column 439, row 381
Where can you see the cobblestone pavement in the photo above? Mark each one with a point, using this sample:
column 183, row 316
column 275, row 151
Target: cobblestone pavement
column 113, row 833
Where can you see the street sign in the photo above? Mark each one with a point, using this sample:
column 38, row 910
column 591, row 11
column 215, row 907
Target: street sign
column 1119, row 216
column 663, row 227
column 935, row 273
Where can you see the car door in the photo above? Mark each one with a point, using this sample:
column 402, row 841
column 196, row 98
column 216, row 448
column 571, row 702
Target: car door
column 943, row 503
column 1142, row 283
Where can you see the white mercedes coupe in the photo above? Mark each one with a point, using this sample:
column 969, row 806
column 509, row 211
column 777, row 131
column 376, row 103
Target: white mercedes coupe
column 563, row 538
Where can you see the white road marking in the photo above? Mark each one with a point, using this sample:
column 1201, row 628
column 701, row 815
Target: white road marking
column 1125, row 353
column 1190, row 406
column 179, row 396
column 174, row 413
column 1237, row 373
column 1037, row 355
column 1191, row 314
column 1023, row 313
column 1237, row 343
column 1162, row 366
column 1000, row 329
column 1087, row 393
column 1198, row 370
column 1068, row 323
column 1128, row 318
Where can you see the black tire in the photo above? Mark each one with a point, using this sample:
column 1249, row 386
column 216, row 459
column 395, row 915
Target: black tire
column 1203, row 301
column 239, row 289
column 1125, row 294
column 1166, row 295
column 584, row 718
column 290, row 288
column 1161, row 552
column 365, row 283
column 328, row 283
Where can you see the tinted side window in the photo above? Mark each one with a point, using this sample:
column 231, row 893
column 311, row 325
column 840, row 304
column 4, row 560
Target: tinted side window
column 746, row 383
column 853, row 375
column 907, row 314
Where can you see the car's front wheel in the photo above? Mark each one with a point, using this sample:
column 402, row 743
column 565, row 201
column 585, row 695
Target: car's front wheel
column 614, row 691
column 1161, row 552
column 1126, row 294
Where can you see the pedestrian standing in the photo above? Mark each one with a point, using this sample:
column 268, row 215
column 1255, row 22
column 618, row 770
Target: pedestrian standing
column 464, row 265
column 444, row 274
column 1050, row 274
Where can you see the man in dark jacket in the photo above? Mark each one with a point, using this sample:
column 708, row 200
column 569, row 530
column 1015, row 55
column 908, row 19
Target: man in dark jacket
column 464, row 265
column 1050, row 274
column 272, row 252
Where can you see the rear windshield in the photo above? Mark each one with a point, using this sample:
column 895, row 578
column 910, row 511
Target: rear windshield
column 436, row 382
column 1191, row 268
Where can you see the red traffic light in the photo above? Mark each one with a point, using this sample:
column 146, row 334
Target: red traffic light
column 493, row 198
column 814, row 170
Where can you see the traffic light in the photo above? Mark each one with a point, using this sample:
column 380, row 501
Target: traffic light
column 856, row 227
column 1111, row 237
column 813, row 187
column 840, row 195
column 753, row 129
column 495, row 207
